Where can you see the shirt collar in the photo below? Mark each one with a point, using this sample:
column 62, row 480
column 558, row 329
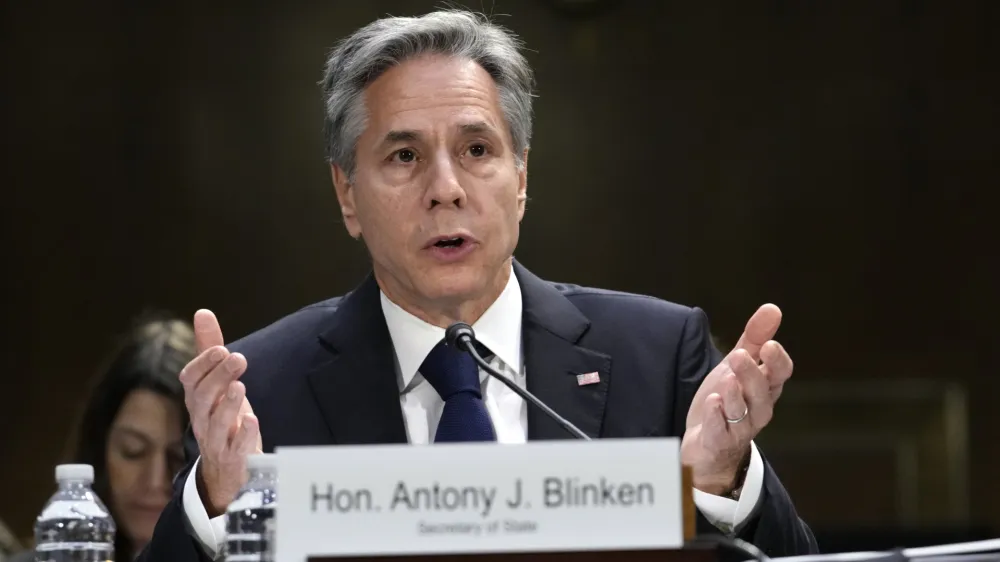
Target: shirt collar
column 499, row 329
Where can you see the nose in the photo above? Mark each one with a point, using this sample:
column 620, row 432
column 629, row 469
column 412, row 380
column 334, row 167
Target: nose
column 443, row 186
column 158, row 477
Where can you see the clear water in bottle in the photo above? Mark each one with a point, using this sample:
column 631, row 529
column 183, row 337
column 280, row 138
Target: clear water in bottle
column 250, row 518
column 75, row 526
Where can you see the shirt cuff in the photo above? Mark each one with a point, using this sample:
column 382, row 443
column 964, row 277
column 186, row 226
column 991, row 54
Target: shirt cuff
column 727, row 514
column 210, row 533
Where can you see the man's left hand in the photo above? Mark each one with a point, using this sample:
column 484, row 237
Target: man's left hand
column 744, row 386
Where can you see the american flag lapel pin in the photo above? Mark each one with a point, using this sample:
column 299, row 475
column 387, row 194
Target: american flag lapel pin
column 588, row 378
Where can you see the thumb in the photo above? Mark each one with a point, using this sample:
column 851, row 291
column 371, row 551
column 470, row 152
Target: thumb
column 759, row 330
column 207, row 332
column 714, row 429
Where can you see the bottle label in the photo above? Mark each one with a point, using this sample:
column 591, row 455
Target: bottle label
column 248, row 500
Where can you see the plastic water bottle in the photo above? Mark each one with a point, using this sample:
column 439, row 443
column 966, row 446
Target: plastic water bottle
column 250, row 518
column 75, row 526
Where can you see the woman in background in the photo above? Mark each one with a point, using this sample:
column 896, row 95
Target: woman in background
column 132, row 429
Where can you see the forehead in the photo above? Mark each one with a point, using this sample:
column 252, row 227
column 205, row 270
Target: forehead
column 432, row 91
column 149, row 412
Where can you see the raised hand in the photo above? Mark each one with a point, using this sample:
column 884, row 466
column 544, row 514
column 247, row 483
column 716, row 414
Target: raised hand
column 221, row 417
column 734, row 402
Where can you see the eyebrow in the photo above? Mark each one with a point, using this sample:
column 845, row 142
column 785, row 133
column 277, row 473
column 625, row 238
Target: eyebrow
column 124, row 429
column 478, row 127
column 127, row 430
column 393, row 137
column 400, row 136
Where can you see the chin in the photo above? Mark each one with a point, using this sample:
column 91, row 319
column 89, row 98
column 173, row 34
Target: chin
column 141, row 529
column 454, row 288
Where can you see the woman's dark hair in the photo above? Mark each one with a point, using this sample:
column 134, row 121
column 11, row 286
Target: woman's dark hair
column 149, row 357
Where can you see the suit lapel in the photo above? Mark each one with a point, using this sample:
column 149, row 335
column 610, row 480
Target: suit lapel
column 552, row 327
column 355, row 382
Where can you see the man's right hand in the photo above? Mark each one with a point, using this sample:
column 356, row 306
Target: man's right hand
column 221, row 417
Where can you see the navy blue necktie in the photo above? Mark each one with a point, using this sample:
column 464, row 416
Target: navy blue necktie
column 455, row 377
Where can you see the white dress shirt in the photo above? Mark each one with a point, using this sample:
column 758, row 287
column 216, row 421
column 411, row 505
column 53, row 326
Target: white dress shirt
column 499, row 329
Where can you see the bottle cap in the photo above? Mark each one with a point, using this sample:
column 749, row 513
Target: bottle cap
column 260, row 461
column 74, row 472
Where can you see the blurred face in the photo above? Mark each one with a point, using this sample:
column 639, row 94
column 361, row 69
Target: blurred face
column 144, row 453
column 437, row 195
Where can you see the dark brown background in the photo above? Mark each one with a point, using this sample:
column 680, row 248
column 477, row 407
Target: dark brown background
column 835, row 158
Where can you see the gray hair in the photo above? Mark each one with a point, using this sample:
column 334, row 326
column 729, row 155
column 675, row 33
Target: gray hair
column 362, row 57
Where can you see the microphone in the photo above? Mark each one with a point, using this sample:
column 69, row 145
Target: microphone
column 461, row 336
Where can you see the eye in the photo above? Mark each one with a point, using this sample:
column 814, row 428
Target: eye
column 477, row 150
column 133, row 452
column 404, row 155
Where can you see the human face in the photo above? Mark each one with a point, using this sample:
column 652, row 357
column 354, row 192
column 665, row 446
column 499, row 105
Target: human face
column 143, row 454
column 437, row 195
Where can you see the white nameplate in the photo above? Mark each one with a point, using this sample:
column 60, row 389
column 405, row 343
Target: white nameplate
column 472, row 498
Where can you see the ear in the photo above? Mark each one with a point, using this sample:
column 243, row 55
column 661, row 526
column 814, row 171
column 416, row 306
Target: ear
column 345, row 196
column 522, row 186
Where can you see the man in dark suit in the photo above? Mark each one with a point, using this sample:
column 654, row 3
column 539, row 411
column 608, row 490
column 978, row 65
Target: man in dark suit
column 428, row 124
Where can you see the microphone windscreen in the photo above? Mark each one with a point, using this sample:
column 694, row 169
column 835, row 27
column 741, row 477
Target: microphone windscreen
column 456, row 331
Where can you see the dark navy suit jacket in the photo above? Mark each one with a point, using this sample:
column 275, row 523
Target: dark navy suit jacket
column 325, row 375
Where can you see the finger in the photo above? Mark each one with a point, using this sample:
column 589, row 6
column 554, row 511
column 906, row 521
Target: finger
column 206, row 394
column 733, row 405
column 715, row 433
column 224, row 420
column 247, row 438
column 759, row 329
column 193, row 372
column 245, row 408
column 756, row 390
column 776, row 392
column 777, row 364
column 207, row 332
column 190, row 376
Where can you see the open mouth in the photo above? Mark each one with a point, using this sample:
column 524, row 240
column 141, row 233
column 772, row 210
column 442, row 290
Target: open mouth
column 456, row 242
